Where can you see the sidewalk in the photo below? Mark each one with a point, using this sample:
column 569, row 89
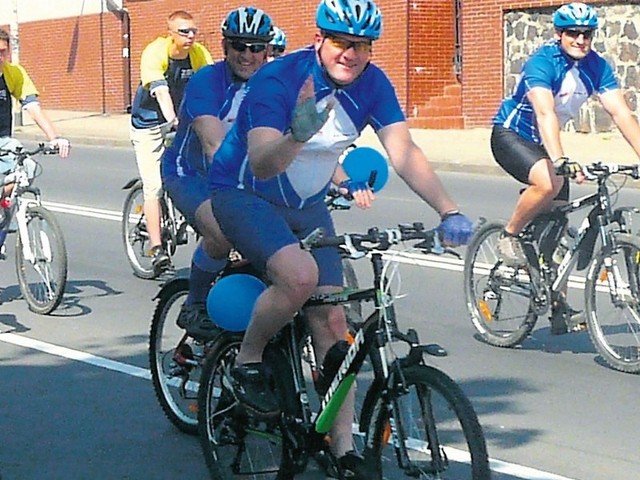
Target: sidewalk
column 451, row 150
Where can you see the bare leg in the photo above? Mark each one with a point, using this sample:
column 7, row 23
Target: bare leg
column 537, row 198
column 294, row 276
column 152, row 216
column 328, row 326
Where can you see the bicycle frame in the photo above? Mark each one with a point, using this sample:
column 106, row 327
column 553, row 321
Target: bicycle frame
column 599, row 217
column 370, row 339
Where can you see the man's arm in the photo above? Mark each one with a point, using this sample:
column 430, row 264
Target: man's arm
column 39, row 116
column 614, row 103
column 162, row 96
column 544, row 107
column 410, row 162
column 210, row 131
column 271, row 152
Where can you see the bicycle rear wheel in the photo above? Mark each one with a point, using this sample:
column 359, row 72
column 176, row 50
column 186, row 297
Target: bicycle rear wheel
column 41, row 261
column 439, row 427
column 135, row 237
column 612, row 298
column 234, row 445
column 498, row 297
column 175, row 360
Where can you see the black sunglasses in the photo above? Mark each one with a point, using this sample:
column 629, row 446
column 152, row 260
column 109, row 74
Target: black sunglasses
column 278, row 49
column 187, row 31
column 239, row 46
column 575, row 33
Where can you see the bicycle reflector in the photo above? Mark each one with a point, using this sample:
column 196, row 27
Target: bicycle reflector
column 365, row 164
column 231, row 299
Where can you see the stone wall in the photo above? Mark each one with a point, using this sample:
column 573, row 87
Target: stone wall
column 616, row 39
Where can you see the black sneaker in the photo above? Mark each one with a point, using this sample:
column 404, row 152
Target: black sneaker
column 195, row 320
column 565, row 319
column 160, row 260
column 352, row 465
column 250, row 386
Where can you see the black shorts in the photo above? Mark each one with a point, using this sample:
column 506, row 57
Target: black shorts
column 517, row 156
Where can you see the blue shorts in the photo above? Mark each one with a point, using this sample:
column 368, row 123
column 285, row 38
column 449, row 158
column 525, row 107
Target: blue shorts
column 258, row 229
column 187, row 193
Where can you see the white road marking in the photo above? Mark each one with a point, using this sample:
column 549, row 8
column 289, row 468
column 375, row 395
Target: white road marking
column 411, row 258
column 498, row 466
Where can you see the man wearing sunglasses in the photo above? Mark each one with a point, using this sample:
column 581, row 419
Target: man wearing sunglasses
column 271, row 173
column 278, row 45
column 166, row 65
column 209, row 108
column 556, row 80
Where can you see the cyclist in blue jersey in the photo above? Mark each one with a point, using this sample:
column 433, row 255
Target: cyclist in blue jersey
column 271, row 172
column 209, row 108
column 278, row 45
column 556, row 80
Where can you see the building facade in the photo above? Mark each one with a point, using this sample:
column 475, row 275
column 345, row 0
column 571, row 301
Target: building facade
column 451, row 61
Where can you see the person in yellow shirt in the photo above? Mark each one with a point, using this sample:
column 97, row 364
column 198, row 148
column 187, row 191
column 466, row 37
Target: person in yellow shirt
column 166, row 65
column 15, row 82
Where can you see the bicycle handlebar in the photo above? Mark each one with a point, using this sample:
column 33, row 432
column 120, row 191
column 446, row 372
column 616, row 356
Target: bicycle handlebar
column 377, row 239
column 599, row 169
column 22, row 153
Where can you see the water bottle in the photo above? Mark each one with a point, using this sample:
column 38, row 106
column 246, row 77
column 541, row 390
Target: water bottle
column 566, row 242
column 332, row 361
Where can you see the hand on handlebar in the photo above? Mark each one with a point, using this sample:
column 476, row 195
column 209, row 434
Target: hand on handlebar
column 569, row 168
column 455, row 229
column 62, row 145
column 360, row 192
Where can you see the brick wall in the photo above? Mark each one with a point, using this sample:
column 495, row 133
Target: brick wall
column 69, row 58
column 482, row 40
column 72, row 68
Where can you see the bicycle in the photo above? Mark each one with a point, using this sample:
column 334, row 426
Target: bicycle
column 174, row 230
column 416, row 420
column 505, row 302
column 41, row 254
column 176, row 358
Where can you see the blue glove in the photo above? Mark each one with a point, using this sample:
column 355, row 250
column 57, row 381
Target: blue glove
column 354, row 186
column 455, row 229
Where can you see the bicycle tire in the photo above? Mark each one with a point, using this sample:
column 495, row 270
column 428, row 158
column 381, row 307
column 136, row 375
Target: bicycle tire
column 179, row 401
column 134, row 234
column 226, row 434
column 498, row 298
column 461, row 451
column 43, row 281
column 613, row 319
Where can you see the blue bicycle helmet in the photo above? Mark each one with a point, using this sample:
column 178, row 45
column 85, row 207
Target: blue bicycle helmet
column 248, row 23
column 361, row 18
column 575, row 15
column 279, row 38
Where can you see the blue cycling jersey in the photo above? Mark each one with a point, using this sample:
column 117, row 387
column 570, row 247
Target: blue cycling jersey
column 210, row 91
column 570, row 81
column 271, row 98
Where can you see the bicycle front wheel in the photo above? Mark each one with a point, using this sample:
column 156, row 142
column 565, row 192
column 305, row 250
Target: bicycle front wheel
column 234, row 445
column 175, row 360
column 41, row 261
column 498, row 297
column 612, row 298
column 427, row 428
column 135, row 237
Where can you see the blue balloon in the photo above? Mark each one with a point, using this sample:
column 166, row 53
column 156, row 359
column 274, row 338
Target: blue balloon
column 361, row 162
column 231, row 300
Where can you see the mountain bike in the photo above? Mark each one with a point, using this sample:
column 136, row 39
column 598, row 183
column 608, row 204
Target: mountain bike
column 176, row 358
column 416, row 420
column 505, row 302
column 174, row 229
column 41, row 254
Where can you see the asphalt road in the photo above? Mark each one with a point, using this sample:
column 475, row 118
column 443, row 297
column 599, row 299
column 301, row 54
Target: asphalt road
column 77, row 402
